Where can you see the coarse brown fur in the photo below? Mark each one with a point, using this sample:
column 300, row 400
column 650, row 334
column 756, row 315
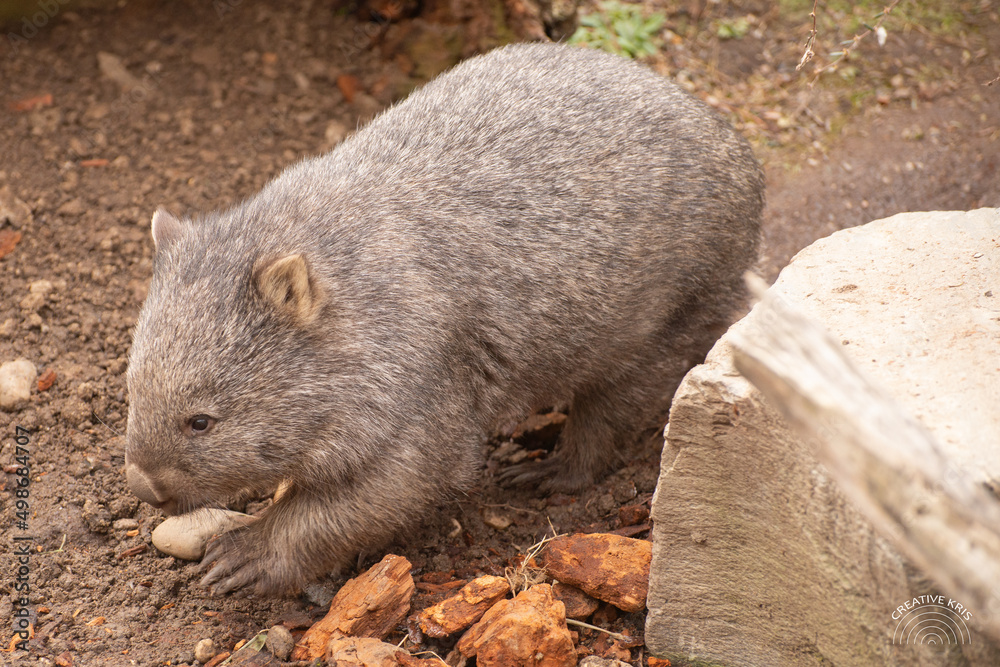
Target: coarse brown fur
column 541, row 224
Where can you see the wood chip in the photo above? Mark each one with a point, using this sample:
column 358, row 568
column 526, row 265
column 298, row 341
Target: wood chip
column 32, row 103
column 348, row 86
column 8, row 240
column 47, row 379
column 370, row 605
column 134, row 551
column 464, row 608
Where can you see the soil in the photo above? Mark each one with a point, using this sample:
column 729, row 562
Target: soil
column 218, row 104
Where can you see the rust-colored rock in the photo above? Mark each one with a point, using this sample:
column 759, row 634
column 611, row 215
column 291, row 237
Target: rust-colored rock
column 609, row 567
column 529, row 630
column 369, row 605
column 578, row 604
column 464, row 608
column 632, row 515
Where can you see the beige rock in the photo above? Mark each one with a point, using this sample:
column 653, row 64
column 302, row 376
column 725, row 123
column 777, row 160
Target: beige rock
column 759, row 559
column 13, row 209
column 184, row 536
column 280, row 642
column 361, row 651
column 38, row 292
column 608, row 567
column 370, row 652
column 205, row 650
column 113, row 68
column 16, row 379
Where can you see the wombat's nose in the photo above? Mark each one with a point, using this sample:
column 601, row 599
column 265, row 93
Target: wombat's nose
column 142, row 487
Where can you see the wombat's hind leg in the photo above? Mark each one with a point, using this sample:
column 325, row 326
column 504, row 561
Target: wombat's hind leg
column 601, row 424
column 606, row 420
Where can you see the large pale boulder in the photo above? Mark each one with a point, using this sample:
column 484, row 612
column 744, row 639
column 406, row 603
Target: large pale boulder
column 758, row 558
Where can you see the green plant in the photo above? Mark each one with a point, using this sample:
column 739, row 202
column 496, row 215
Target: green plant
column 620, row 28
column 732, row 28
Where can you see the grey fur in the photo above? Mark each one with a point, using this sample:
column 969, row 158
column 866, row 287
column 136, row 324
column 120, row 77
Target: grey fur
column 542, row 223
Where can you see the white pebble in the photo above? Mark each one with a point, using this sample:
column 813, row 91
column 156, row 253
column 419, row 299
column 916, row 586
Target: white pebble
column 16, row 378
column 186, row 535
column 204, row 651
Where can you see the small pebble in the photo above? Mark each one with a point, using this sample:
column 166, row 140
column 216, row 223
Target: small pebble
column 319, row 595
column 37, row 293
column 185, row 536
column 496, row 519
column 16, row 380
column 205, row 650
column 280, row 642
column 125, row 524
column 595, row 661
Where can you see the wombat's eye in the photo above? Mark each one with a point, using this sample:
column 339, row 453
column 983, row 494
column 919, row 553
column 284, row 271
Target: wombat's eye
column 199, row 425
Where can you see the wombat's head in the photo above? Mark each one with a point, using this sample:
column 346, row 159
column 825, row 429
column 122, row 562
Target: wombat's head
column 222, row 373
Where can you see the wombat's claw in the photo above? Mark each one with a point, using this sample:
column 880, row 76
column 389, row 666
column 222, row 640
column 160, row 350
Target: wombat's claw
column 548, row 476
column 230, row 566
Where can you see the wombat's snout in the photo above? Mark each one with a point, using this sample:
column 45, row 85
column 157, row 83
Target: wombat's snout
column 143, row 487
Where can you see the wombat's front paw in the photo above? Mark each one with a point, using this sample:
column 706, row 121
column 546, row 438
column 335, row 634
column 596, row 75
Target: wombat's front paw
column 239, row 559
column 549, row 476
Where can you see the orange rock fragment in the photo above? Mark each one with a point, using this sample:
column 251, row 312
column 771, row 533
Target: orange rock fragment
column 609, row 567
column 32, row 103
column 464, row 608
column 529, row 630
column 8, row 240
column 47, row 379
column 348, row 86
column 370, row 605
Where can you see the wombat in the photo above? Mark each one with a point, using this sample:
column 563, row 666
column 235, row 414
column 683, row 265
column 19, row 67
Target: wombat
column 543, row 223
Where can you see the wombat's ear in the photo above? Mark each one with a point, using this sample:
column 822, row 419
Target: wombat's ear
column 166, row 228
column 287, row 284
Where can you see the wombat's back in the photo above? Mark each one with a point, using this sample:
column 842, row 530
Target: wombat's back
column 541, row 197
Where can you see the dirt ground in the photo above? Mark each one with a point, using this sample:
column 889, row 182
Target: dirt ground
column 209, row 108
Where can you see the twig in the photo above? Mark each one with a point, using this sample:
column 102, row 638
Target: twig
column 849, row 47
column 519, row 577
column 613, row 635
column 808, row 54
